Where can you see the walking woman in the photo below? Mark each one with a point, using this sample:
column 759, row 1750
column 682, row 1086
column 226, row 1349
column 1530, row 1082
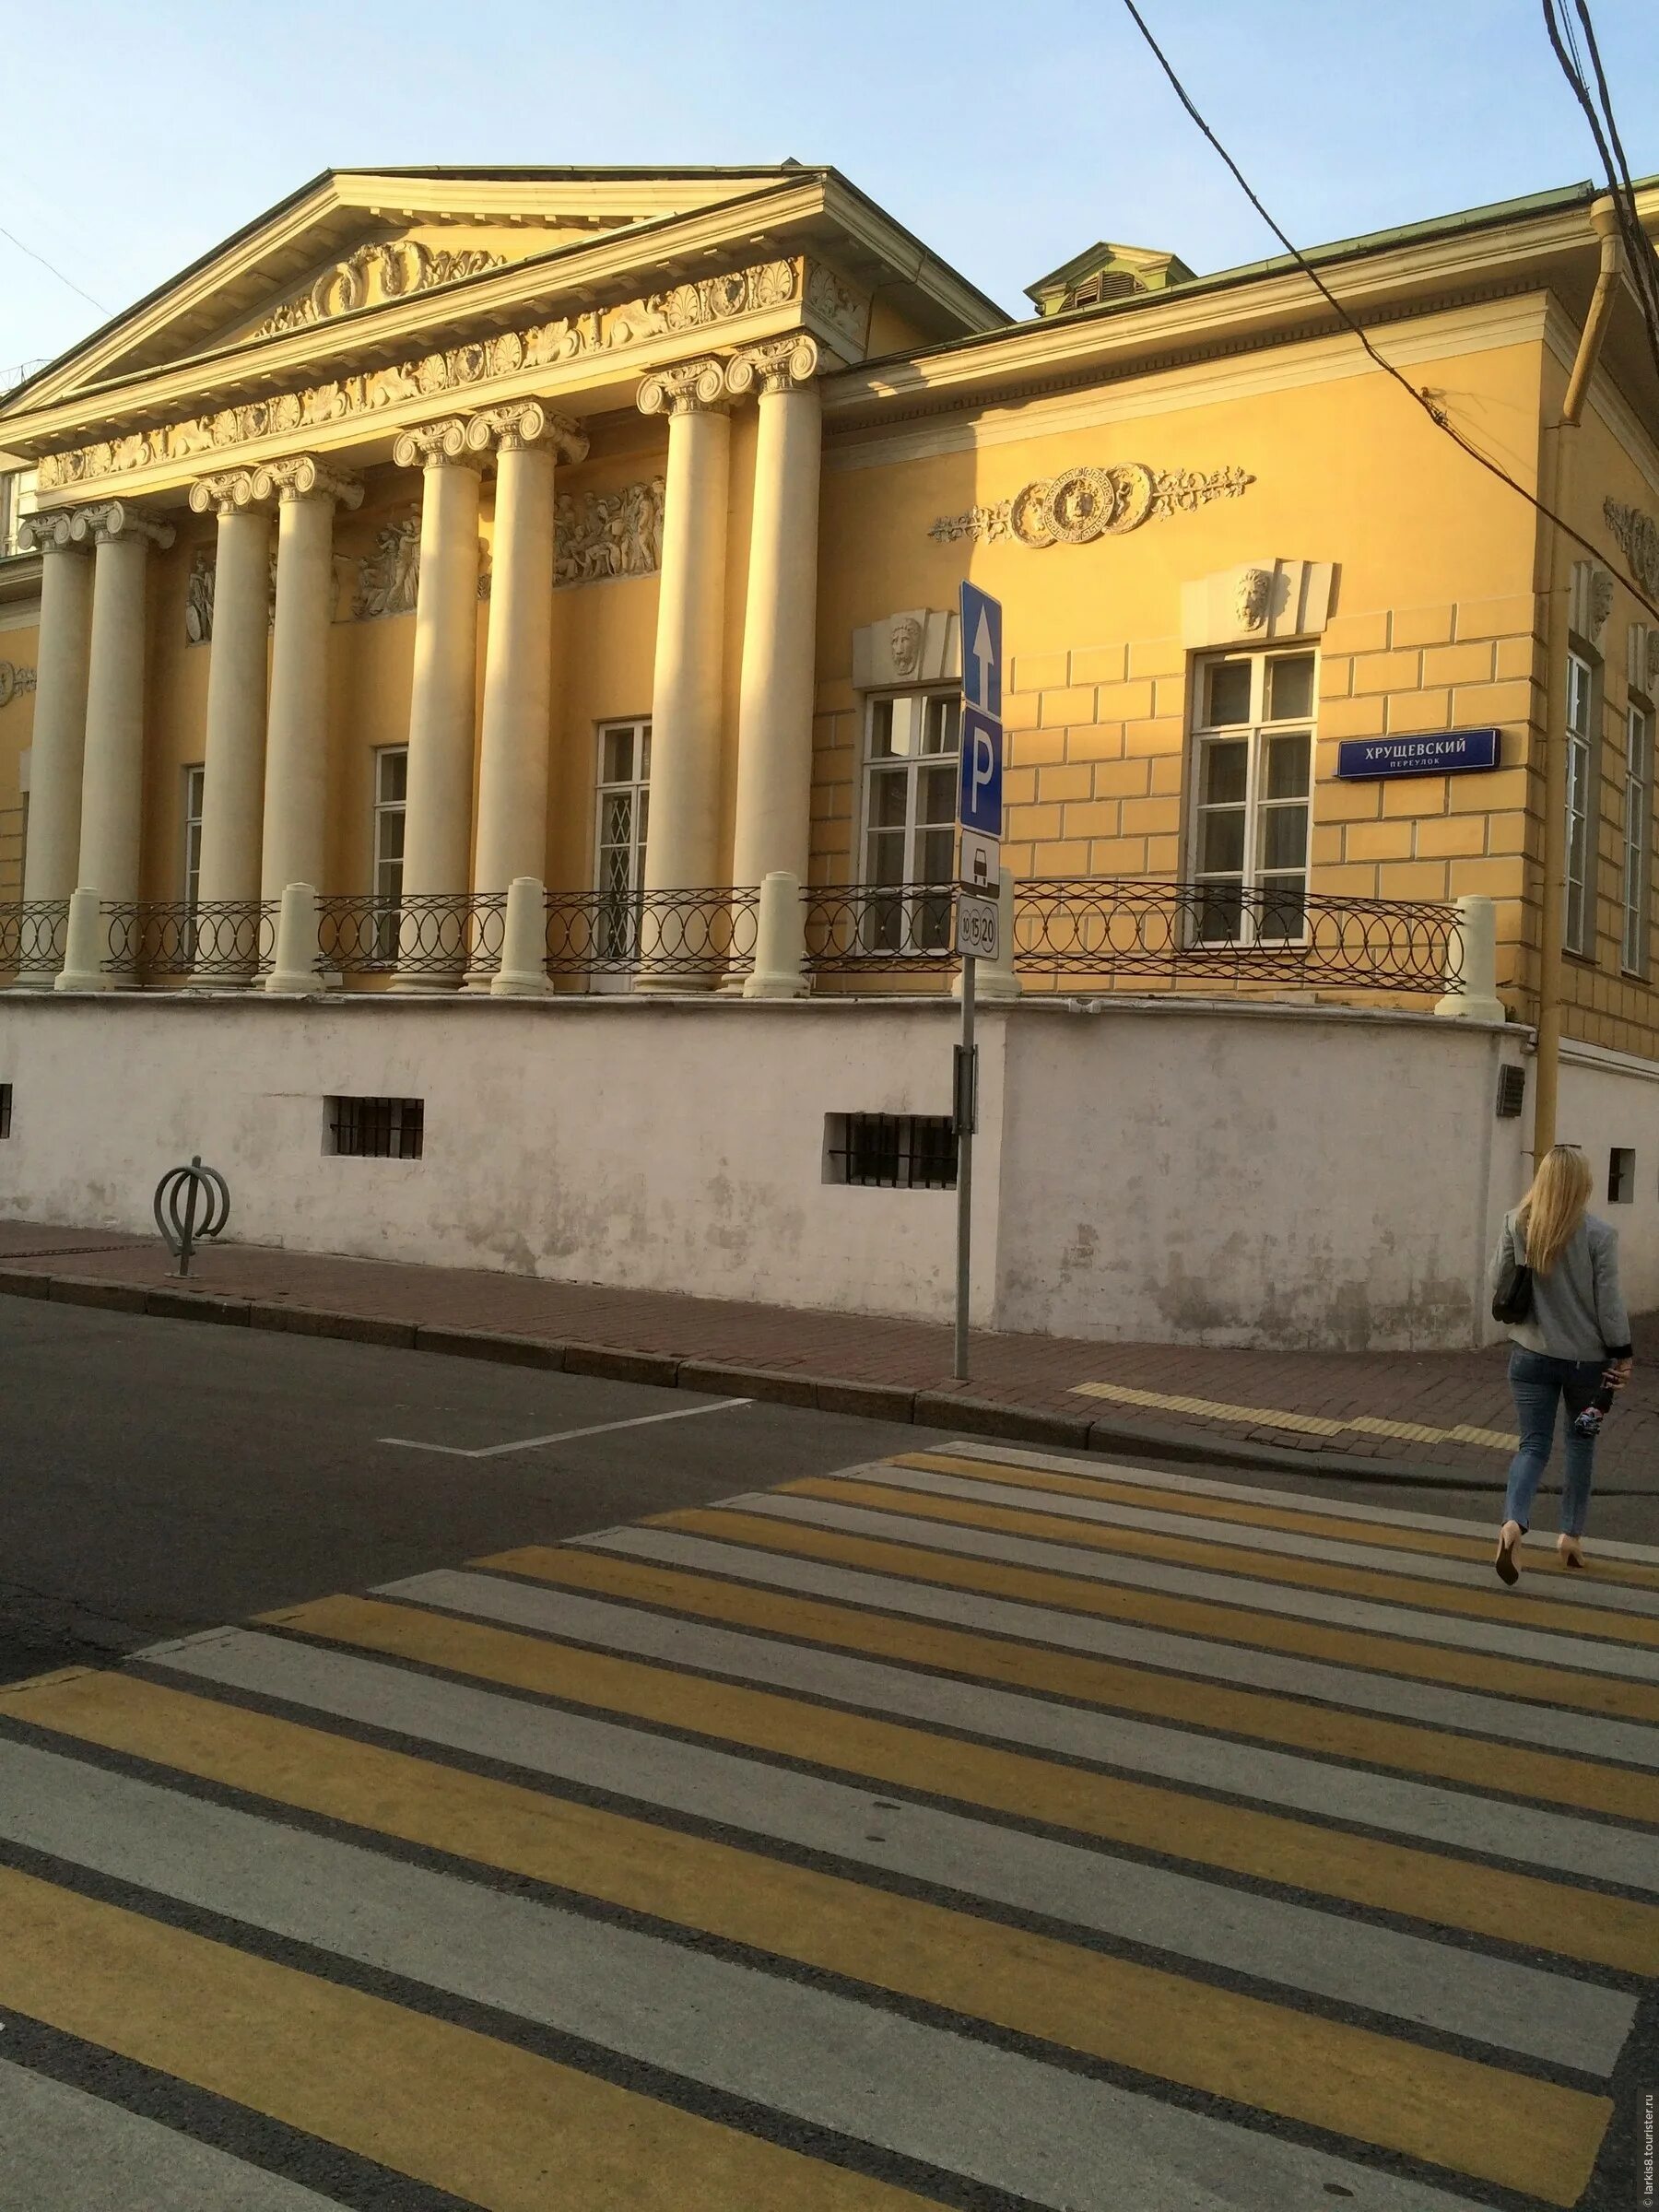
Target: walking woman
column 1574, row 1339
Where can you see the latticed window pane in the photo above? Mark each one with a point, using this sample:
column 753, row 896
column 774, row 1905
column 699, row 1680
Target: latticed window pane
column 623, row 819
column 1226, row 693
column 1580, row 704
column 910, row 817
column 1291, row 687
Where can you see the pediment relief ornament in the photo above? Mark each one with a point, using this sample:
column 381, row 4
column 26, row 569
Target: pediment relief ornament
column 391, row 270
column 1080, row 505
column 1639, row 535
column 458, row 369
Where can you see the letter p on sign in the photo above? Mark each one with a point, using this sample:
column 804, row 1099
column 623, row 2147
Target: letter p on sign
column 979, row 799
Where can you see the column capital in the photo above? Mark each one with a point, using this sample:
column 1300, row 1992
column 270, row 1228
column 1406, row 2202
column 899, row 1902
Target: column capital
column 525, row 422
column 694, row 387
column 51, row 532
column 775, row 365
column 230, row 492
column 119, row 522
column 303, row 477
column 437, row 445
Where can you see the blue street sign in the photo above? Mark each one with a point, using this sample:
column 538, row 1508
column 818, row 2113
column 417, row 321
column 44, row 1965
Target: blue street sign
column 982, row 651
column 1438, row 753
column 979, row 788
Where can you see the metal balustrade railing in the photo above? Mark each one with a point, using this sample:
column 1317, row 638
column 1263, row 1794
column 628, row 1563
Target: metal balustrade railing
column 439, row 936
column 869, row 927
column 1108, row 927
column 32, row 936
column 226, row 940
column 691, row 935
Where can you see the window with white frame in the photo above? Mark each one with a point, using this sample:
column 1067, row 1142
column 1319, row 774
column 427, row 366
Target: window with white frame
column 391, row 799
column 16, row 500
column 911, row 743
column 1639, row 832
column 622, row 822
column 1578, row 916
column 1253, row 757
column 194, row 783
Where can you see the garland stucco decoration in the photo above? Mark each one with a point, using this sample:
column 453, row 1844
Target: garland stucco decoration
column 392, row 270
column 14, row 682
column 1082, row 504
column 1639, row 535
column 458, row 369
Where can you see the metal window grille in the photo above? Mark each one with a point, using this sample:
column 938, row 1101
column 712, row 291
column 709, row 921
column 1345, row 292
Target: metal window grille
column 1621, row 1175
column 5, row 1091
column 893, row 1151
column 377, row 1128
column 1512, row 1093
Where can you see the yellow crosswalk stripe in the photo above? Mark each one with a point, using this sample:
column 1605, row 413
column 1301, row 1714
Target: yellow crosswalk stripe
column 1222, row 1558
column 1452, row 2112
column 1379, row 1532
column 497, row 2125
column 1407, row 1746
column 1547, row 1684
column 1395, row 1878
column 1301, row 1424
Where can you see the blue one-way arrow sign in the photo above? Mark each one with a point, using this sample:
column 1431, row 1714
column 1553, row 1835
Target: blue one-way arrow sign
column 981, row 651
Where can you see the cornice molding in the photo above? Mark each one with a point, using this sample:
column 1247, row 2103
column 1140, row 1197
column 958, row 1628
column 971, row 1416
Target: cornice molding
column 776, row 365
column 694, row 387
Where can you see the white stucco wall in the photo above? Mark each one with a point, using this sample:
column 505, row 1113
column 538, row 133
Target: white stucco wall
column 1244, row 1174
column 1607, row 1098
column 1156, row 1171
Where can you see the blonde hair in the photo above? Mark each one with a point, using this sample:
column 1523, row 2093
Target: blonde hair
column 1553, row 1207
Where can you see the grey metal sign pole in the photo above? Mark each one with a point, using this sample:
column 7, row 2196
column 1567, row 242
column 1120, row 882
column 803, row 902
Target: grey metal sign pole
column 967, row 1115
column 979, row 850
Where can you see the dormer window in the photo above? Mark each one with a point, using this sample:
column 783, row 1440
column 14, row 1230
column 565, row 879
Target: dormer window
column 1107, row 272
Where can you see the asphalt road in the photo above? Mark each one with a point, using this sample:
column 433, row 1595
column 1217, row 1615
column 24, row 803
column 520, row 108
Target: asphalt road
column 161, row 1476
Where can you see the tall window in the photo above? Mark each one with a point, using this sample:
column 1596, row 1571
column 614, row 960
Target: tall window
column 16, row 500
column 910, row 749
column 1639, row 832
column 1580, row 696
column 1252, row 748
column 391, row 798
column 619, row 833
column 195, row 780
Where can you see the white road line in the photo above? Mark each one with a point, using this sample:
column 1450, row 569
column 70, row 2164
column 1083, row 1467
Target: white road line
column 1413, row 1977
column 564, row 1436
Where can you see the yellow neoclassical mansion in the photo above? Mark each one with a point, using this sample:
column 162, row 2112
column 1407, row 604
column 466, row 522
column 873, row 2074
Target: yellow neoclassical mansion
column 602, row 530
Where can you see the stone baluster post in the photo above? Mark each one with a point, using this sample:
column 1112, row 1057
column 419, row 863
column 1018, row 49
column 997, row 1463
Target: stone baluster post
column 59, row 743
column 294, row 845
column 682, row 851
column 443, row 711
column 112, row 768
column 518, row 665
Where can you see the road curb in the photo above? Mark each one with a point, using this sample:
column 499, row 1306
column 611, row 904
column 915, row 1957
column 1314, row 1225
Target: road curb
column 823, row 1394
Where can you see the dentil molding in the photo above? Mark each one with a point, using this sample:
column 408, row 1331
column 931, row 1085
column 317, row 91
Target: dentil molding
column 1082, row 504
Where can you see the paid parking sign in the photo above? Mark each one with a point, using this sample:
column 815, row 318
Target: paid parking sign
column 979, row 795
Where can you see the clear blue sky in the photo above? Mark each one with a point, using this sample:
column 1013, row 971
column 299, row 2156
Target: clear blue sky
column 1008, row 137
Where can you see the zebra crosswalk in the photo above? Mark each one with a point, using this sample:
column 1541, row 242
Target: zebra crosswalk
column 976, row 1827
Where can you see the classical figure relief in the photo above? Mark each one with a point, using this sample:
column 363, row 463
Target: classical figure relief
column 602, row 534
column 1639, row 535
column 1082, row 504
column 375, row 274
column 198, row 599
column 389, row 577
column 457, row 370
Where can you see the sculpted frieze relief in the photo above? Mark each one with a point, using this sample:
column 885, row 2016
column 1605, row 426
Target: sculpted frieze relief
column 1639, row 535
column 1082, row 504
column 603, row 534
column 392, row 270
column 389, row 577
column 458, row 369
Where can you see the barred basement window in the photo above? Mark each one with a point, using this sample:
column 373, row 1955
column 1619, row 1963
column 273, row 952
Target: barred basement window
column 4, row 1109
column 1621, row 1175
column 891, row 1151
column 1511, row 1092
column 376, row 1128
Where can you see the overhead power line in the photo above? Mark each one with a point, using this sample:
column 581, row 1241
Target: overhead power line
column 53, row 268
column 1436, row 414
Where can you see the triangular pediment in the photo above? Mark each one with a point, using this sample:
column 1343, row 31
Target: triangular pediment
column 354, row 241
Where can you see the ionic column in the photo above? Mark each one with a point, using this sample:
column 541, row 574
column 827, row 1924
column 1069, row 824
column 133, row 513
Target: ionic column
column 774, row 712
column 234, row 753
column 112, row 769
column 438, row 819
column 682, row 851
column 518, row 666
column 295, row 772
column 52, row 850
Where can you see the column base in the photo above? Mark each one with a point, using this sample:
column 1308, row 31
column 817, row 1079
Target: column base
column 89, row 979
column 779, row 983
column 519, row 982
column 413, row 985
column 1455, row 1007
column 293, row 983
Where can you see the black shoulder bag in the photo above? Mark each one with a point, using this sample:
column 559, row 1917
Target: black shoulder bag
column 1511, row 1301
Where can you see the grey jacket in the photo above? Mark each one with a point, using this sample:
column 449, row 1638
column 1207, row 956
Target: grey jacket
column 1578, row 1311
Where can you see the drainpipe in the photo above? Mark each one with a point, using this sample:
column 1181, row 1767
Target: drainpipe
column 1558, row 557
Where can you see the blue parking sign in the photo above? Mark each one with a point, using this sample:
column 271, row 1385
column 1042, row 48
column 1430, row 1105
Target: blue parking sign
column 981, row 651
column 979, row 791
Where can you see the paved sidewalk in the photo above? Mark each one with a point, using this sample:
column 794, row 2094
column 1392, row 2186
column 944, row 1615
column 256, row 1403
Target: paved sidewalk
column 1441, row 1413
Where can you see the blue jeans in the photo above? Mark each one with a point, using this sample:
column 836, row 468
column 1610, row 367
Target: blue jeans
column 1537, row 1384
